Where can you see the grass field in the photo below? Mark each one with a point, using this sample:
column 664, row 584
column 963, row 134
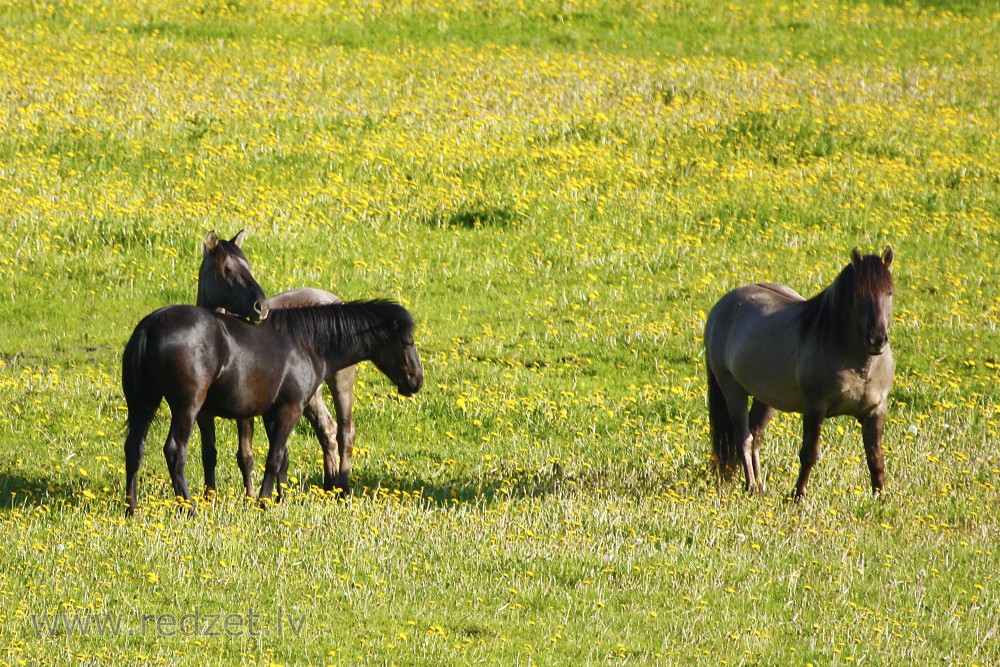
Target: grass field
column 559, row 191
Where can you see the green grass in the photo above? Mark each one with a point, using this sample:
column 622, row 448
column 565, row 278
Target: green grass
column 559, row 193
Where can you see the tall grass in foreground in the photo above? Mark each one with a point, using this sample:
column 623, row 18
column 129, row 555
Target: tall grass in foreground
column 559, row 193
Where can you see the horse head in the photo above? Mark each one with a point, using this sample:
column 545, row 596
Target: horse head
column 399, row 359
column 873, row 288
column 225, row 281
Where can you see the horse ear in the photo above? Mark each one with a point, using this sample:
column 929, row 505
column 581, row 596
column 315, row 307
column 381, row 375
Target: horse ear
column 887, row 256
column 238, row 239
column 210, row 243
column 856, row 258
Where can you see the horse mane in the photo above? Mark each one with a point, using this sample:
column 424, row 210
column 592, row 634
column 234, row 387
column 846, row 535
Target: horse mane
column 828, row 312
column 372, row 323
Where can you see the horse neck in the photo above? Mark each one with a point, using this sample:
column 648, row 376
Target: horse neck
column 201, row 299
column 332, row 335
column 203, row 279
column 834, row 324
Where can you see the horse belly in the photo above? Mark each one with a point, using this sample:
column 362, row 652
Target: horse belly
column 764, row 362
column 234, row 400
column 770, row 380
column 251, row 386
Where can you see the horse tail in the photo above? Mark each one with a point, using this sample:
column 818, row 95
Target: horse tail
column 724, row 450
column 142, row 398
column 135, row 352
column 141, row 395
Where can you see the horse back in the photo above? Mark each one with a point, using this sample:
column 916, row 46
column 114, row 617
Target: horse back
column 228, row 367
column 301, row 297
column 750, row 312
column 173, row 325
column 183, row 341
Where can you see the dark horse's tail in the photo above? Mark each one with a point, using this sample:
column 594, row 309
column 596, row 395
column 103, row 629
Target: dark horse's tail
column 724, row 450
column 138, row 391
column 142, row 399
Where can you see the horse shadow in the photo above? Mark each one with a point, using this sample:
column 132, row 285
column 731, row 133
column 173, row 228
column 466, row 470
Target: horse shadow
column 461, row 489
column 523, row 484
column 17, row 491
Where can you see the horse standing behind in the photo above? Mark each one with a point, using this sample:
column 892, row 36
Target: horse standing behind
column 821, row 357
column 225, row 280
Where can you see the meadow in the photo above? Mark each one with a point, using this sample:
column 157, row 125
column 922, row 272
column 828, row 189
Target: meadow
column 559, row 192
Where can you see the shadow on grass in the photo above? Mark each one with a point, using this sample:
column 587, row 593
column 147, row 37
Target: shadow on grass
column 453, row 489
column 472, row 216
column 17, row 491
column 640, row 482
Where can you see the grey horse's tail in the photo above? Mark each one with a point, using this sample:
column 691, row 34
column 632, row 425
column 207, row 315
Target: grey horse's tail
column 724, row 450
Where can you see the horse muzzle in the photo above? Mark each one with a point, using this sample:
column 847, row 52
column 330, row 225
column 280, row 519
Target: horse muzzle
column 261, row 309
column 411, row 384
column 876, row 344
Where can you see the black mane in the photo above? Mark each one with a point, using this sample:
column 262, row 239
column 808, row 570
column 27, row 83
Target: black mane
column 372, row 323
column 829, row 311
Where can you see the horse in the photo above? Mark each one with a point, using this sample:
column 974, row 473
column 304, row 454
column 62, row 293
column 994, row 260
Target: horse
column 336, row 437
column 821, row 357
column 225, row 280
column 207, row 364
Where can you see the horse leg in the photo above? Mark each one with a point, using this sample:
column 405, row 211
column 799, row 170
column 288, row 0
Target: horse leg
column 871, row 433
column 283, row 476
column 244, row 453
column 343, row 403
column 209, row 456
column 175, row 449
column 760, row 416
column 812, row 423
column 278, row 423
column 139, row 420
column 322, row 422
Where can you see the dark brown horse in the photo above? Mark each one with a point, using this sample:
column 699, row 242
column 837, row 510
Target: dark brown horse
column 207, row 365
column 821, row 357
column 336, row 436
